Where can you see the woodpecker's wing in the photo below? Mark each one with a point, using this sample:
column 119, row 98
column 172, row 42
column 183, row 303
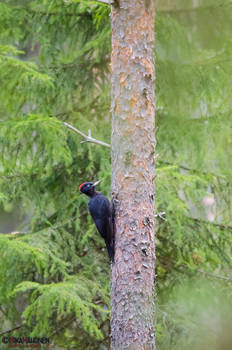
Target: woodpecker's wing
column 105, row 228
column 100, row 210
column 99, row 206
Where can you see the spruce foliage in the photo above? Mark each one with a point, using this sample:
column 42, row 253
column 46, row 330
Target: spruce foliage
column 54, row 67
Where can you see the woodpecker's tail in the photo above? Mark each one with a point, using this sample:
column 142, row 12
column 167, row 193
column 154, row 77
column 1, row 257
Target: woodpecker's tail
column 110, row 249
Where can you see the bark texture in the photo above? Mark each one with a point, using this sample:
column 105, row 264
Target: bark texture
column 133, row 147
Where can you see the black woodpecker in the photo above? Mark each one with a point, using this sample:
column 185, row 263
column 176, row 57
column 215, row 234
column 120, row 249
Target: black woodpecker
column 101, row 212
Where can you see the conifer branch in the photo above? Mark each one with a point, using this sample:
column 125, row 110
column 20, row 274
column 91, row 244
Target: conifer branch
column 205, row 273
column 201, row 221
column 215, row 276
column 68, row 14
column 220, row 251
column 160, row 215
column 196, row 171
column 15, row 176
column 221, row 177
column 12, row 329
column 227, row 259
column 62, row 327
column 192, row 9
column 88, row 138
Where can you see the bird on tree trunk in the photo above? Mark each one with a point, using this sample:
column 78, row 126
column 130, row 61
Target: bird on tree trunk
column 101, row 211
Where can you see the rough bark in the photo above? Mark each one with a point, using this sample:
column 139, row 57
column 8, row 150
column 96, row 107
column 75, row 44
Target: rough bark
column 133, row 147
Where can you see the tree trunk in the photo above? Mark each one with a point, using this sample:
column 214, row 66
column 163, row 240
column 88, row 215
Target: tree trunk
column 133, row 163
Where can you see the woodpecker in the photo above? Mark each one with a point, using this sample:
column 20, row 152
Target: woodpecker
column 101, row 212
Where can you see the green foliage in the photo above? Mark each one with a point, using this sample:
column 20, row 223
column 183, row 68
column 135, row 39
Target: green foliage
column 198, row 312
column 54, row 67
column 36, row 137
column 50, row 303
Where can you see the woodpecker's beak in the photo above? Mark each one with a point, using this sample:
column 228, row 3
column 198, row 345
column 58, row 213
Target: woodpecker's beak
column 96, row 183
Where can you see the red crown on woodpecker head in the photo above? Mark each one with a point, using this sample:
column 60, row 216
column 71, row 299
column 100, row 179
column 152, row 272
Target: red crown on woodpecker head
column 81, row 185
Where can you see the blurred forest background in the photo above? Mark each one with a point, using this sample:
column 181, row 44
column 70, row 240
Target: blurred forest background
column 54, row 270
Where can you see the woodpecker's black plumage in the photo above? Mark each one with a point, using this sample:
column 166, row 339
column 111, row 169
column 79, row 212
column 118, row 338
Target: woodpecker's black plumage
column 101, row 212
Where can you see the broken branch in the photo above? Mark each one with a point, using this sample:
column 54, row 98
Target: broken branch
column 88, row 138
column 108, row 2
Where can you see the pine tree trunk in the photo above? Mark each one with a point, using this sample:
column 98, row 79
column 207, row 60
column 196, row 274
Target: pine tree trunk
column 133, row 147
